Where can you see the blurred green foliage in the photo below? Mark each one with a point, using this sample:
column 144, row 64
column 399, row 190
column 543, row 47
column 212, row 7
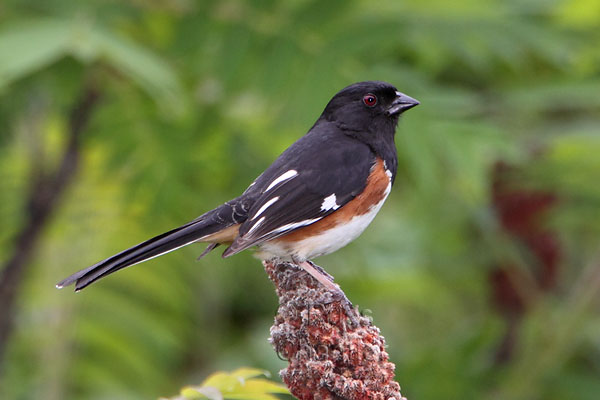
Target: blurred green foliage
column 199, row 97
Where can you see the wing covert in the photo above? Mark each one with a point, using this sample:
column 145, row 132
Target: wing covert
column 301, row 188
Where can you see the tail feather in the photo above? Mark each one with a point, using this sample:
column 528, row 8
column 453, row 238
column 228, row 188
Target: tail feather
column 157, row 246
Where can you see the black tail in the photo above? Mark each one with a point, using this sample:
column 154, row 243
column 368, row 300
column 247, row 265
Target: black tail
column 189, row 233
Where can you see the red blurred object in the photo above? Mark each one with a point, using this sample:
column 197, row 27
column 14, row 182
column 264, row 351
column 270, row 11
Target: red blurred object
column 522, row 214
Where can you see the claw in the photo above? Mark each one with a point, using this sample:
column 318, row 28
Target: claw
column 338, row 294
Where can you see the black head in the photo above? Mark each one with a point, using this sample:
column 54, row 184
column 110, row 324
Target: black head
column 368, row 106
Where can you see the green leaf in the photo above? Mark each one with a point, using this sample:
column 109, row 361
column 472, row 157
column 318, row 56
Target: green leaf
column 191, row 392
column 240, row 384
column 29, row 46
column 26, row 47
column 150, row 72
column 246, row 373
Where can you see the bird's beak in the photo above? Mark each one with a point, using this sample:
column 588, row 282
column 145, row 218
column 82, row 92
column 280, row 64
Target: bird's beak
column 401, row 103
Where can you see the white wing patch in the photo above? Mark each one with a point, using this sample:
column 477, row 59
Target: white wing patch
column 387, row 171
column 330, row 203
column 256, row 225
column 264, row 207
column 282, row 178
column 295, row 225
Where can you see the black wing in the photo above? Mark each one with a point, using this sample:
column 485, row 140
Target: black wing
column 315, row 176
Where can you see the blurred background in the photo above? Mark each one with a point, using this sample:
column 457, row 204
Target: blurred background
column 120, row 120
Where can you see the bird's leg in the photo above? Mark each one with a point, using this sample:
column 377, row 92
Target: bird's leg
column 321, row 270
column 320, row 275
column 327, row 280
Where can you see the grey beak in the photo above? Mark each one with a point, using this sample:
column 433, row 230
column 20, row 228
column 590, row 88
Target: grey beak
column 402, row 103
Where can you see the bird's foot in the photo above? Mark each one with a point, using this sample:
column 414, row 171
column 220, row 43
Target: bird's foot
column 347, row 306
column 337, row 293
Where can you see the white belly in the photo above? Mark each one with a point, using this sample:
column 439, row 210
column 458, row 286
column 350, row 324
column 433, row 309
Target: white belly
column 323, row 243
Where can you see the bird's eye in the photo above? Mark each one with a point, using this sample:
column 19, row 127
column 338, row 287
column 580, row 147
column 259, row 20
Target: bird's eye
column 370, row 100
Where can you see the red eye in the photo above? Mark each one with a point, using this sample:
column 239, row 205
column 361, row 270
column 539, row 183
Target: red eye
column 370, row 100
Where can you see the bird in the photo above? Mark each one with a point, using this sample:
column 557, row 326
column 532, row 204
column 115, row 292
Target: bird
column 315, row 198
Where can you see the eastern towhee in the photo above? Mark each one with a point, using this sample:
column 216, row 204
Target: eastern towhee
column 318, row 195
